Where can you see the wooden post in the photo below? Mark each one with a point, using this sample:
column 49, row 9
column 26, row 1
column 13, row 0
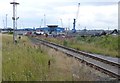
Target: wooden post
column 49, row 64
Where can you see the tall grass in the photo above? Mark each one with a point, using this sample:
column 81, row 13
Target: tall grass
column 23, row 61
column 64, row 68
column 0, row 56
column 28, row 62
column 105, row 45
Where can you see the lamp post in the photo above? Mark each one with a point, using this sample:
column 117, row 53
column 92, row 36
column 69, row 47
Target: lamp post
column 14, row 18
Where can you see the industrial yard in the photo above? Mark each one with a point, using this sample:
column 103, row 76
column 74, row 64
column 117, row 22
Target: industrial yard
column 59, row 41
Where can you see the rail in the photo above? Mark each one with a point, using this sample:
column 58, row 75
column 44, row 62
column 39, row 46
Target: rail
column 108, row 67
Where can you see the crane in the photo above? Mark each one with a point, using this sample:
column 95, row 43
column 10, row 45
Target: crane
column 74, row 20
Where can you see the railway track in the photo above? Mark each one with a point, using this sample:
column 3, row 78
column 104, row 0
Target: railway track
column 105, row 65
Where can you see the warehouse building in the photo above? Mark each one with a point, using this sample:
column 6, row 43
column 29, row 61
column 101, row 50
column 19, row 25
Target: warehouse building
column 51, row 29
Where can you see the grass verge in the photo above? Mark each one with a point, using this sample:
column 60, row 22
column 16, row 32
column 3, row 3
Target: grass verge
column 105, row 45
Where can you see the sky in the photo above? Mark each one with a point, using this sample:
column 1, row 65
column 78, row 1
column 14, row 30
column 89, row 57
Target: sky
column 102, row 14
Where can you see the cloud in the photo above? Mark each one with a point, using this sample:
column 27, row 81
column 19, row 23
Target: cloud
column 99, row 16
column 92, row 13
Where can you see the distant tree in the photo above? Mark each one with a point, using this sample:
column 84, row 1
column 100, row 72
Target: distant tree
column 114, row 31
column 10, row 29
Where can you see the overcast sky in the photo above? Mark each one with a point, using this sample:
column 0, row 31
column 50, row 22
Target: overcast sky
column 92, row 14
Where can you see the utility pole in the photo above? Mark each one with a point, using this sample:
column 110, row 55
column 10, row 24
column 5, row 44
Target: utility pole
column 61, row 23
column 3, row 24
column 6, row 21
column 14, row 18
column 44, row 20
column 68, row 23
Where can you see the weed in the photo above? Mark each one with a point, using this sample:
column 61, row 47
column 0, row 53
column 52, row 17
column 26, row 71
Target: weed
column 65, row 43
column 22, row 62
column 105, row 45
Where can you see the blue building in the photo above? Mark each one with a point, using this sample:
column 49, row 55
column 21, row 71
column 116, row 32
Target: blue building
column 51, row 29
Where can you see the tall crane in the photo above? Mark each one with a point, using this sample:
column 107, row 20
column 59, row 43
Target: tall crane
column 74, row 20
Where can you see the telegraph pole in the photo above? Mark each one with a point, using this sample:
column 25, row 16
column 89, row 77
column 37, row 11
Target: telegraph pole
column 14, row 18
column 3, row 24
column 44, row 20
column 6, row 21
column 61, row 23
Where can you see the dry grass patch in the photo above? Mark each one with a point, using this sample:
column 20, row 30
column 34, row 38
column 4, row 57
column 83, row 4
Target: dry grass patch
column 65, row 68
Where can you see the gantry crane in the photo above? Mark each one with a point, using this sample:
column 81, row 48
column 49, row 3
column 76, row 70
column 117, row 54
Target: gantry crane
column 74, row 22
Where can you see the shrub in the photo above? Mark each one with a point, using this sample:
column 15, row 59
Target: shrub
column 10, row 32
column 65, row 43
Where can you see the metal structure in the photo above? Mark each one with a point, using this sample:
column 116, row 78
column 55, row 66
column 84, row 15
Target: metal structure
column 74, row 22
column 51, row 29
column 14, row 18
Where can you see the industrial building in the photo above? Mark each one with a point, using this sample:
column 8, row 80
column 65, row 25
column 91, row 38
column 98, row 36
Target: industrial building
column 51, row 29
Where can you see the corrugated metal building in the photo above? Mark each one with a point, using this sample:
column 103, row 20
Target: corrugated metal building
column 51, row 29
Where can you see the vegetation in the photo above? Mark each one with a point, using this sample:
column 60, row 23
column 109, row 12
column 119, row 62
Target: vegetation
column 0, row 56
column 25, row 61
column 10, row 32
column 105, row 45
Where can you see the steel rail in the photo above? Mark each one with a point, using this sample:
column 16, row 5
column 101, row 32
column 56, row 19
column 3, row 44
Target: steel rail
column 117, row 64
column 93, row 64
